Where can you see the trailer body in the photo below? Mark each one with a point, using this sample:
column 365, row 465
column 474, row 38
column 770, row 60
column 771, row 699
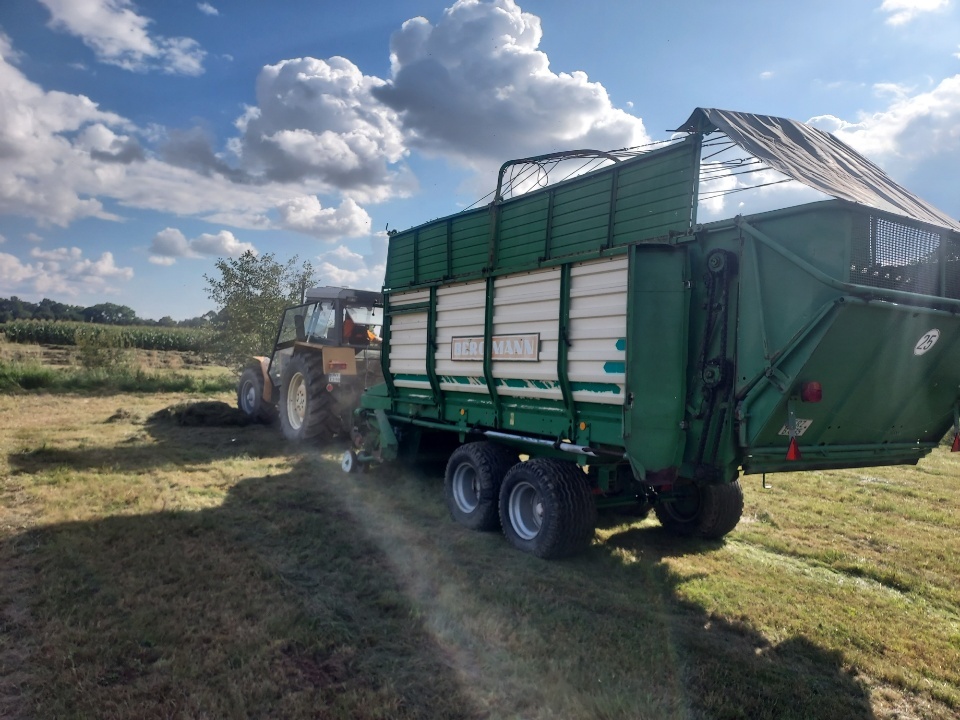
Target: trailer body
column 597, row 321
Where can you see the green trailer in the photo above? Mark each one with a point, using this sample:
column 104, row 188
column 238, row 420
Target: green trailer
column 589, row 344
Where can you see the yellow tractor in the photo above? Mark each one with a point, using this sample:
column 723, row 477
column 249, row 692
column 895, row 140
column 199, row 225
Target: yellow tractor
column 327, row 352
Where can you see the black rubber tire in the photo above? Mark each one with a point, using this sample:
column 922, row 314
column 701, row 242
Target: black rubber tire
column 547, row 509
column 708, row 511
column 250, row 397
column 471, row 483
column 307, row 410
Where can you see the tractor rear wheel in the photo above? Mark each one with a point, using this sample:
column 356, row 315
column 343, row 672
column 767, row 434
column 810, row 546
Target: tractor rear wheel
column 546, row 508
column 307, row 410
column 704, row 511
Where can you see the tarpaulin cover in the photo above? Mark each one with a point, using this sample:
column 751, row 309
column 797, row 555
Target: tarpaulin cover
column 817, row 159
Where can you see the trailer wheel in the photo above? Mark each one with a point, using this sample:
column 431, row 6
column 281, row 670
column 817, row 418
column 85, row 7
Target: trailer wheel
column 546, row 508
column 704, row 511
column 350, row 463
column 472, row 482
column 307, row 410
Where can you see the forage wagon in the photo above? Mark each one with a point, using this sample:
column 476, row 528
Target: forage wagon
column 590, row 344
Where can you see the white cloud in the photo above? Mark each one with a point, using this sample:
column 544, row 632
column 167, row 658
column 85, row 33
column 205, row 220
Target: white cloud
column 915, row 139
column 61, row 157
column 893, row 90
column 914, row 128
column 2, row 239
column 475, row 87
column 33, row 237
column 207, row 9
column 903, row 11
column 42, row 174
column 766, row 74
column 306, row 214
column 118, row 36
column 320, row 127
column 220, row 244
column 349, row 268
column 64, row 271
column 317, row 120
column 170, row 244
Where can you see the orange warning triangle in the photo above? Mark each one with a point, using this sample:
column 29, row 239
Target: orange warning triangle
column 793, row 452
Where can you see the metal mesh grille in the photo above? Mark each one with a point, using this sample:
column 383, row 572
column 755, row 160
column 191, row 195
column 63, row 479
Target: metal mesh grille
column 892, row 255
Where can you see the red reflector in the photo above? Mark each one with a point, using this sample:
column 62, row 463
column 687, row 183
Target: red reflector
column 956, row 443
column 338, row 366
column 811, row 392
column 329, row 387
column 793, row 452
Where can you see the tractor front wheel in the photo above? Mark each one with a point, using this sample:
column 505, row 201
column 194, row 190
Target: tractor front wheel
column 250, row 397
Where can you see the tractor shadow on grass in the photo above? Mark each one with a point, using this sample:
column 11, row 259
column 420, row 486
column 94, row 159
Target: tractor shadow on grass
column 270, row 605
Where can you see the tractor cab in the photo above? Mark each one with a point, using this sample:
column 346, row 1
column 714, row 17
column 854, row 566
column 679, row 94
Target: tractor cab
column 333, row 316
column 327, row 351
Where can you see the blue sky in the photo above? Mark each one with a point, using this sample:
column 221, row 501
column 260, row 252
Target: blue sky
column 140, row 141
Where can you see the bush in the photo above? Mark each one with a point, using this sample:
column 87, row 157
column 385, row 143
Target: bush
column 102, row 348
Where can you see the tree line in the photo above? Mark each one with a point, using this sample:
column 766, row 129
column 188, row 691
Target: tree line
column 14, row 308
column 250, row 293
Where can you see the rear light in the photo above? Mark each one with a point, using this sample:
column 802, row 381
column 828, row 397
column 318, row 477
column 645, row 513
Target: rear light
column 329, row 387
column 811, row 392
column 338, row 365
column 956, row 443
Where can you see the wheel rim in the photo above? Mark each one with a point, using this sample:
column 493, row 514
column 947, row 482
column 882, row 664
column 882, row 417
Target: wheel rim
column 296, row 401
column 466, row 494
column 248, row 397
column 526, row 510
column 348, row 461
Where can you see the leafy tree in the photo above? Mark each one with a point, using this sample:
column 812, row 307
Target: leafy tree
column 52, row 310
column 111, row 314
column 251, row 293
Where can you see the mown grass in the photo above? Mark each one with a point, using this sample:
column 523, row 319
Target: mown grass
column 150, row 569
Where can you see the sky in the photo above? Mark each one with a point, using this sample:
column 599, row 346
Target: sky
column 141, row 141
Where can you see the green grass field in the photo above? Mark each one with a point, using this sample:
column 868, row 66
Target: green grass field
column 150, row 569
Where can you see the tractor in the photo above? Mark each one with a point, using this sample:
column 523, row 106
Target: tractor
column 327, row 352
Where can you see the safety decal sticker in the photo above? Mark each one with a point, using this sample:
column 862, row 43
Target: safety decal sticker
column 928, row 340
column 802, row 427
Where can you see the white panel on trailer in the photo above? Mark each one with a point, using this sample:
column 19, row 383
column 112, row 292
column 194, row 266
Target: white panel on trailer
column 460, row 313
column 408, row 340
column 529, row 303
column 598, row 325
